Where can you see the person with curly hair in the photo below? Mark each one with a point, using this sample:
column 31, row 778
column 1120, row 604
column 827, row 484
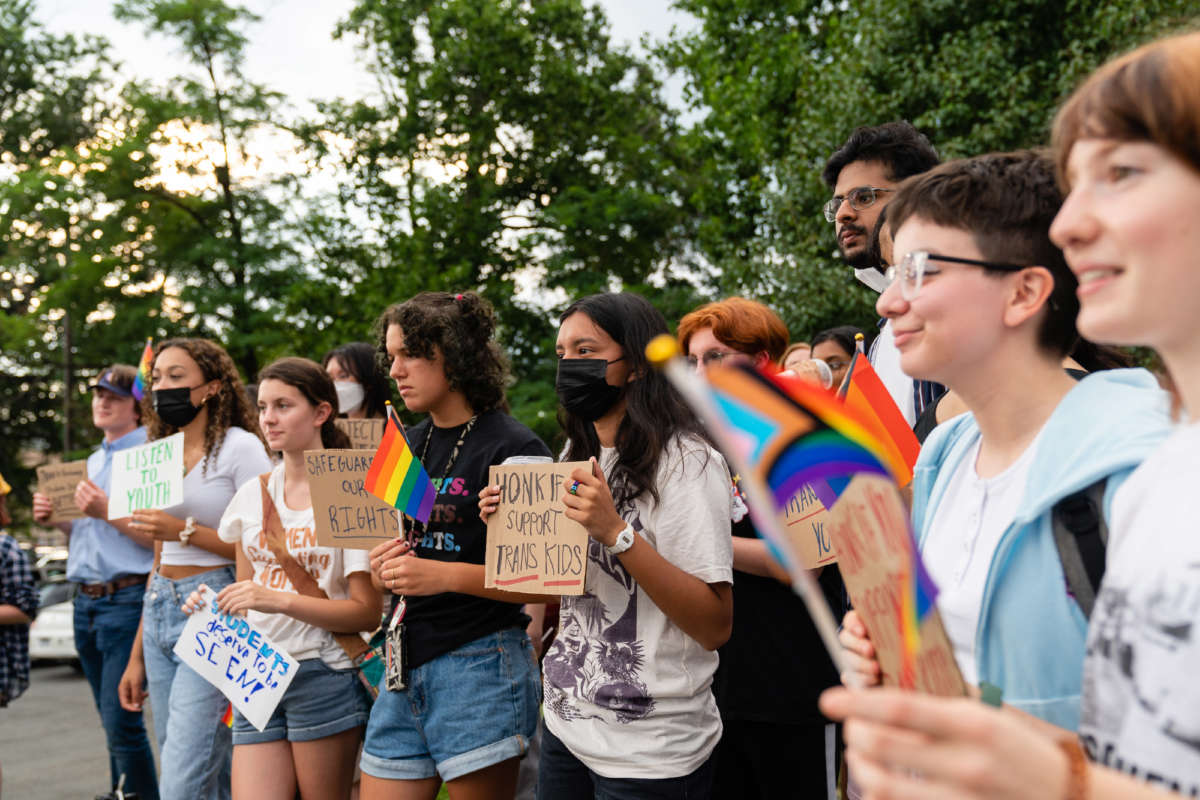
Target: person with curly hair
column 470, row 707
column 195, row 390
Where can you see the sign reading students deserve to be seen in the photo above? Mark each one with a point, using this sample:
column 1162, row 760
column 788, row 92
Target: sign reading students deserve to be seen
column 531, row 545
column 58, row 482
column 365, row 434
column 235, row 657
column 870, row 531
column 147, row 476
column 345, row 513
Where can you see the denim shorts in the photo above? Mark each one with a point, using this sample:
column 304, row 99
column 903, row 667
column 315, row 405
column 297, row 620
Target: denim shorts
column 319, row 702
column 468, row 709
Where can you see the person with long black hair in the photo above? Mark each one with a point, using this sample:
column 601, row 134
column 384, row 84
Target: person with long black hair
column 629, row 711
column 362, row 388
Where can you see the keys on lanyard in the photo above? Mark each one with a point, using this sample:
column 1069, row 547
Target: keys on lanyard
column 396, row 672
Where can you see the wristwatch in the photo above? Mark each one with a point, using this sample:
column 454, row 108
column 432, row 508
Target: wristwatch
column 189, row 527
column 624, row 541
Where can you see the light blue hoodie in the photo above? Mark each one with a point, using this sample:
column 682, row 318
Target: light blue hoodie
column 1031, row 633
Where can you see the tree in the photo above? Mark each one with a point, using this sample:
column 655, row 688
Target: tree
column 511, row 150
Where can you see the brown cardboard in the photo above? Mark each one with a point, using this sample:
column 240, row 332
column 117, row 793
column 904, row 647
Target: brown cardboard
column 345, row 513
column 365, row 434
column 531, row 545
column 869, row 526
column 806, row 520
column 58, row 482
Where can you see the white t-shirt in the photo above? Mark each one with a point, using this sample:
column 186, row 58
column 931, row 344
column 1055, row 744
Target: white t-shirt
column 885, row 358
column 329, row 565
column 209, row 486
column 1140, row 709
column 627, row 690
column 964, row 533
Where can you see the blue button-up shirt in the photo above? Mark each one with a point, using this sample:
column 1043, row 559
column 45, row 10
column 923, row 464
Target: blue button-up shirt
column 98, row 552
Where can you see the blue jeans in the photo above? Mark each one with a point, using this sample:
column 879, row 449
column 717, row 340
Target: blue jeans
column 195, row 747
column 561, row 774
column 104, row 631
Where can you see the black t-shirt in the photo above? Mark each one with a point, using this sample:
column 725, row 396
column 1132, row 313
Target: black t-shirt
column 774, row 666
column 440, row 623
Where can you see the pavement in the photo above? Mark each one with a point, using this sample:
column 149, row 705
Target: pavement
column 51, row 743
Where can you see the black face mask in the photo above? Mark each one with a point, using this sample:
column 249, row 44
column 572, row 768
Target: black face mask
column 174, row 406
column 582, row 389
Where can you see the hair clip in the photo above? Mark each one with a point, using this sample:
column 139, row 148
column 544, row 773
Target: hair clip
column 458, row 297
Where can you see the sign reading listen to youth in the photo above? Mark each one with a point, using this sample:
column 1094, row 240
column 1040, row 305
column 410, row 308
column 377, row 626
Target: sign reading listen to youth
column 531, row 545
column 147, row 476
column 345, row 513
column 235, row 657
column 58, row 482
column 890, row 589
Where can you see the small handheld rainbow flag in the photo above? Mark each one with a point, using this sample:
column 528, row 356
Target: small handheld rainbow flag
column 142, row 379
column 227, row 717
column 396, row 475
column 868, row 399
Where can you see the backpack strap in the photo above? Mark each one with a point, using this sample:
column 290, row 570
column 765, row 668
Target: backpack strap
column 302, row 580
column 1081, row 536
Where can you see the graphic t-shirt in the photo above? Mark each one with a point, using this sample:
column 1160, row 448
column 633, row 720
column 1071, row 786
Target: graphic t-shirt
column 1140, row 707
column 626, row 689
column 330, row 566
column 440, row 623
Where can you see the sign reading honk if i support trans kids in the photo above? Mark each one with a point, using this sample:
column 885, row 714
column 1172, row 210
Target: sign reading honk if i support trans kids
column 147, row 476
column 234, row 656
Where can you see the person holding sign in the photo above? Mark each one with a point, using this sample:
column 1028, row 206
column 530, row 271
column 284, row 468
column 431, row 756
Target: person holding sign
column 628, row 708
column 1125, row 144
column 362, row 388
column 110, row 560
column 775, row 742
column 298, row 594
column 196, row 391
column 471, row 706
column 983, row 302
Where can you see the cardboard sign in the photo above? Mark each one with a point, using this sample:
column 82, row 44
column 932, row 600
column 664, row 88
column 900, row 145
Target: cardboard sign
column 531, row 545
column 806, row 519
column 365, row 434
column 58, row 482
column 346, row 514
column 235, row 657
column 147, row 476
column 869, row 527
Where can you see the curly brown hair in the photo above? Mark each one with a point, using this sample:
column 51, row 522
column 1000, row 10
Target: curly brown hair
column 462, row 327
column 228, row 408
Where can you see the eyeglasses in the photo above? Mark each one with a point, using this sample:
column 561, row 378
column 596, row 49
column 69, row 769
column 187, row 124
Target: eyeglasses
column 913, row 268
column 710, row 358
column 860, row 197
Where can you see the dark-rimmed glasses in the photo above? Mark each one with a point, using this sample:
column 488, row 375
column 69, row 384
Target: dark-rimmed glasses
column 860, row 197
column 913, row 268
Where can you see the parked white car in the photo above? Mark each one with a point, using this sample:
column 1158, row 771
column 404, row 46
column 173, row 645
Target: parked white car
column 52, row 634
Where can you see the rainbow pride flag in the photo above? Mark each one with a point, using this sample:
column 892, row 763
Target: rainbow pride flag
column 141, row 380
column 227, row 717
column 396, row 476
column 864, row 395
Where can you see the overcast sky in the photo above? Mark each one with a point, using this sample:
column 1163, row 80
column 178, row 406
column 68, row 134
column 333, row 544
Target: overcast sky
column 292, row 50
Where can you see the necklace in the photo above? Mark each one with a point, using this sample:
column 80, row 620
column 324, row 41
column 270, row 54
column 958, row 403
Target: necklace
column 462, row 437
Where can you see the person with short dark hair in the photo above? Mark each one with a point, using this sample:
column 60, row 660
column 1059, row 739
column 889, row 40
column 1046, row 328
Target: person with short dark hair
column 864, row 175
column 983, row 302
column 110, row 561
column 836, row 347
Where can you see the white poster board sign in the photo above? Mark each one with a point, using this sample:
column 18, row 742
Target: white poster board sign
column 147, row 476
column 234, row 656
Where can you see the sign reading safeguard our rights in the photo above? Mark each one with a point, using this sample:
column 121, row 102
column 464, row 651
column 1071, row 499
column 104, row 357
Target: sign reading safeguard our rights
column 234, row 656
column 870, row 530
column 531, row 545
column 58, row 482
column 345, row 513
column 147, row 476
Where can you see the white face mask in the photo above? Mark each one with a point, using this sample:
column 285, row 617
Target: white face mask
column 350, row 396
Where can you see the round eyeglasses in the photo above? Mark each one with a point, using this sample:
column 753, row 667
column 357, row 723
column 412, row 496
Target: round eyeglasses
column 913, row 268
column 860, row 197
column 710, row 358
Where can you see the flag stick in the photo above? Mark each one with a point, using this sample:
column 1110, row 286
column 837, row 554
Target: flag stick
column 664, row 354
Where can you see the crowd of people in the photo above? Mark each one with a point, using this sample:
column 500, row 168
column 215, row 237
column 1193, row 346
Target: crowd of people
column 1047, row 503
